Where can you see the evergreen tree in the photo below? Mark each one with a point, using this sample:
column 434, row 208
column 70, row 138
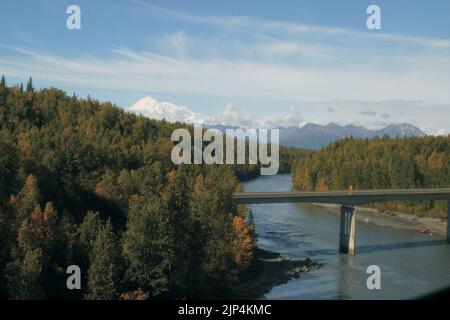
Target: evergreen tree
column 146, row 245
column 87, row 232
column 177, row 197
column 8, row 168
column 25, row 276
column 217, row 252
column 104, row 270
column 30, row 85
column 3, row 92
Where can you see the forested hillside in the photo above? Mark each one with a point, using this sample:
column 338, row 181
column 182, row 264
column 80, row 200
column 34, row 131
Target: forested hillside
column 380, row 163
column 85, row 183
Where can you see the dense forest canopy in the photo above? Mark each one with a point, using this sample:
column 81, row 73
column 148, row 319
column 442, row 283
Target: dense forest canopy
column 86, row 183
column 380, row 163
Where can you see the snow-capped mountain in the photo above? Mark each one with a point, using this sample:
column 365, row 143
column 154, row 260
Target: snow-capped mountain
column 309, row 135
column 154, row 109
column 401, row 130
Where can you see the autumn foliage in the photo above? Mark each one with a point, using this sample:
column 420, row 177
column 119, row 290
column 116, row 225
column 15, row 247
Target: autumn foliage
column 380, row 163
column 243, row 242
column 86, row 183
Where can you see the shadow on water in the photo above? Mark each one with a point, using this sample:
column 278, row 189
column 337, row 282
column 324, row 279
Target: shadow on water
column 378, row 247
column 402, row 245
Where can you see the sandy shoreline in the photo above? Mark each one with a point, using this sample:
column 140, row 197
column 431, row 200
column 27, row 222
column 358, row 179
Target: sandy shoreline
column 392, row 219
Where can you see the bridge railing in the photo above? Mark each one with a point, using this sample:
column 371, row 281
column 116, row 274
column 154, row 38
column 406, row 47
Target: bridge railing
column 343, row 197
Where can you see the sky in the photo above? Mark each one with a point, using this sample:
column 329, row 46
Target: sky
column 305, row 61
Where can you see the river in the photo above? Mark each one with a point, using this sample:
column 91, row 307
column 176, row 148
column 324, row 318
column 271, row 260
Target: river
column 411, row 264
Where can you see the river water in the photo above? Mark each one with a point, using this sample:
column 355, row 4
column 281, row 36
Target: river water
column 411, row 264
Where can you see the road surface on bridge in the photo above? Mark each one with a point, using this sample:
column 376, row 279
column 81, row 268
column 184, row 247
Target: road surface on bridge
column 348, row 198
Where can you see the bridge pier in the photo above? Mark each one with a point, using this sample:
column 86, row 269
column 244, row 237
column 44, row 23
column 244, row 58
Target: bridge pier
column 448, row 221
column 348, row 228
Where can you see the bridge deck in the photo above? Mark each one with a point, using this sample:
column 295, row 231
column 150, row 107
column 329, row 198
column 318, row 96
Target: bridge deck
column 342, row 197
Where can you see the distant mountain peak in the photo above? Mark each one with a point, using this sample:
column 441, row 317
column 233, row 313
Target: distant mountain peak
column 401, row 130
column 154, row 109
column 332, row 125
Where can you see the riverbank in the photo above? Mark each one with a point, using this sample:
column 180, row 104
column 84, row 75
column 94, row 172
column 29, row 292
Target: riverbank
column 269, row 269
column 393, row 219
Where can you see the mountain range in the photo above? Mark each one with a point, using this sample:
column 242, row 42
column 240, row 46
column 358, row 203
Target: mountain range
column 309, row 135
column 314, row 136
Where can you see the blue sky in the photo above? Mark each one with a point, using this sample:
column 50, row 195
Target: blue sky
column 314, row 60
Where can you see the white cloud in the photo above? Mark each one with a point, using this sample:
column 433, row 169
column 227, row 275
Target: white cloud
column 177, row 41
column 258, row 25
column 292, row 119
column 368, row 112
column 142, row 71
column 230, row 116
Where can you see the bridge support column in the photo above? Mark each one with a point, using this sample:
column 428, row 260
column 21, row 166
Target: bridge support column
column 448, row 221
column 348, row 227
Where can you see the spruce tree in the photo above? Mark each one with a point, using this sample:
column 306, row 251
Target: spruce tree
column 146, row 245
column 25, row 281
column 8, row 168
column 86, row 234
column 3, row 94
column 177, row 197
column 104, row 270
column 30, row 85
column 3, row 82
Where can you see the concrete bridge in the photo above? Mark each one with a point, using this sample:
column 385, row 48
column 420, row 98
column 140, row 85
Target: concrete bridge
column 347, row 200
